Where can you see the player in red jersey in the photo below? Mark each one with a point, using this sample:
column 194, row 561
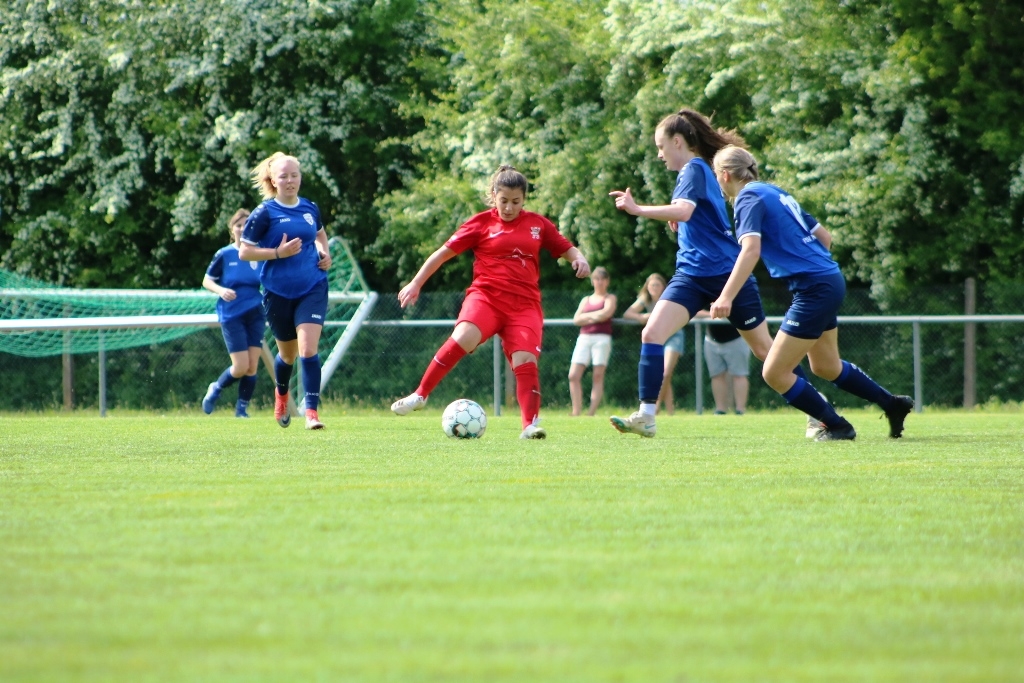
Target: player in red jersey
column 504, row 297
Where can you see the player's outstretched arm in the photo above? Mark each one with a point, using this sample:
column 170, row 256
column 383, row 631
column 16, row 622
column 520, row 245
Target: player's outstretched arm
column 411, row 292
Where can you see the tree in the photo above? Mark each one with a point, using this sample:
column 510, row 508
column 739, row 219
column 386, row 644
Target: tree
column 129, row 127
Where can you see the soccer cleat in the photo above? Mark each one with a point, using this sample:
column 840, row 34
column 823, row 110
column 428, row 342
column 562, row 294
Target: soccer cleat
column 635, row 424
column 533, row 431
column 313, row 420
column 898, row 411
column 814, row 426
column 242, row 414
column 842, row 432
column 404, row 406
column 210, row 400
column 281, row 412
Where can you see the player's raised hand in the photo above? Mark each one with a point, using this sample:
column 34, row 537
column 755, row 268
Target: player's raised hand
column 624, row 200
column 288, row 247
column 721, row 308
column 409, row 294
column 582, row 267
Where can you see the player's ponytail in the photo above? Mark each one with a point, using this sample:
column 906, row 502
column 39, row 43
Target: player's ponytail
column 261, row 174
column 701, row 137
column 509, row 178
column 737, row 162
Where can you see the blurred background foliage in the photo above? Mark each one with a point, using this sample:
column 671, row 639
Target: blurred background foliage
column 128, row 127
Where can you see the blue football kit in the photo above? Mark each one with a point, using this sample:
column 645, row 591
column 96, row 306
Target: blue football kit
column 294, row 276
column 791, row 252
column 706, row 244
column 228, row 270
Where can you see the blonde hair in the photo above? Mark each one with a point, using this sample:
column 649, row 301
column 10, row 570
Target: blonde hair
column 261, row 174
column 645, row 292
column 737, row 162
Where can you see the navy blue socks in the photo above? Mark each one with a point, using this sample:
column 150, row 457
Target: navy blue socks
column 282, row 375
column 311, row 380
column 651, row 371
column 226, row 379
column 805, row 397
column 853, row 380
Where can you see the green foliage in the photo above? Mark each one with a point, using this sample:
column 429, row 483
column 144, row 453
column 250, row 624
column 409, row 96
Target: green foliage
column 129, row 127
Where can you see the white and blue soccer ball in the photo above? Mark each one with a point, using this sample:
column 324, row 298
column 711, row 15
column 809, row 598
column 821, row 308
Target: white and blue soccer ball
column 464, row 419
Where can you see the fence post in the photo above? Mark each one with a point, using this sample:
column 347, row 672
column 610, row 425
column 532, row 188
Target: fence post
column 918, row 390
column 698, row 368
column 497, row 375
column 970, row 358
column 102, row 362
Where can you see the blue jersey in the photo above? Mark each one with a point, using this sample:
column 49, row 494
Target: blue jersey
column 227, row 270
column 706, row 243
column 294, row 276
column 787, row 246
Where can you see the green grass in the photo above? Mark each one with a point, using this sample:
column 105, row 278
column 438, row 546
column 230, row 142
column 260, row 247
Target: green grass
column 186, row 547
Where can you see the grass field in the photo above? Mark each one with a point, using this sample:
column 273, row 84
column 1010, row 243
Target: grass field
column 186, row 547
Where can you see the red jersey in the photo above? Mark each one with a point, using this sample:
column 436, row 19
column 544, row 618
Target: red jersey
column 507, row 253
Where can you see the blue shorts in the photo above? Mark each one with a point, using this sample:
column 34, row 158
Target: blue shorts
column 677, row 342
column 698, row 293
column 816, row 301
column 244, row 331
column 285, row 315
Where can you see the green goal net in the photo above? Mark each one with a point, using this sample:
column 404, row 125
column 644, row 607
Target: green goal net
column 38, row 319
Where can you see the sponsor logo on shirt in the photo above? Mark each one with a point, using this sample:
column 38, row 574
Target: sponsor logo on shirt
column 286, row 219
column 492, row 235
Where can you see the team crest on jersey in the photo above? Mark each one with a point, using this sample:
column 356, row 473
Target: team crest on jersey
column 308, row 217
column 535, row 233
column 253, row 265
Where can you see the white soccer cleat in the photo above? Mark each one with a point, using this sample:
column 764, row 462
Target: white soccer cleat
column 814, row 426
column 404, row 406
column 533, row 431
column 636, row 423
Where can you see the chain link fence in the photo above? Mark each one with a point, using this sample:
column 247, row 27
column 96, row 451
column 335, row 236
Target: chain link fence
column 386, row 361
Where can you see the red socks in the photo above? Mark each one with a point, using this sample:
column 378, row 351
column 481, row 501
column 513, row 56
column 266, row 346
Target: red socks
column 444, row 360
column 528, row 391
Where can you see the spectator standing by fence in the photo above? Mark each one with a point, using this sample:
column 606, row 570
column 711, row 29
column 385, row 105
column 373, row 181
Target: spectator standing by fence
column 640, row 311
column 594, row 345
column 728, row 359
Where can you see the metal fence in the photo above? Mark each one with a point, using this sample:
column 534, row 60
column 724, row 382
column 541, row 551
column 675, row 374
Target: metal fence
column 921, row 356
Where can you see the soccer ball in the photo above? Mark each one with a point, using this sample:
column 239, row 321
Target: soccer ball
column 464, row 419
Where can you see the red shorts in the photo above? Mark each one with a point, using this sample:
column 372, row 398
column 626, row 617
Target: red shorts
column 520, row 326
